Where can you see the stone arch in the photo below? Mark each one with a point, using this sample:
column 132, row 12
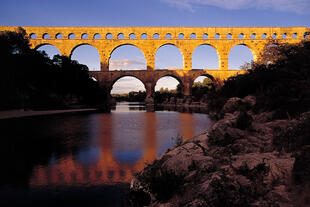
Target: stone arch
column 85, row 36
column 143, row 36
column 44, row 44
column 59, row 36
column 205, row 36
column 33, row 36
column 181, row 36
column 132, row 36
column 253, row 36
column 120, row 36
column 241, row 36
column 126, row 44
column 109, row 36
column 97, row 36
column 199, row 91
column 169, row 44
column 193, row 36
column 231, row 59
column 113, row 81
column 156, row 36
column 71, row 36
column 175, row 76
column 88, row 61
column 46, row 36
column 72, row 50
column 204, row 75
column 209, row 46
column 168, row 36
column 229, row 36
column 47, row 44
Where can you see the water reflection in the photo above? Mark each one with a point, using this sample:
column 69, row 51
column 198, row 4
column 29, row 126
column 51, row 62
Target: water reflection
column 95, row 149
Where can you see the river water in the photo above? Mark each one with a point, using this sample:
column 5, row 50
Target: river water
column 88, row 159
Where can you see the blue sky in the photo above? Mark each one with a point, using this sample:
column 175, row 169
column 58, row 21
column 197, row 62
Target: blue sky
column 229, row 13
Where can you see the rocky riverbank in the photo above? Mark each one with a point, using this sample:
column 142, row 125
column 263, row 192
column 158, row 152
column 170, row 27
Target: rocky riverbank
column 245, row 159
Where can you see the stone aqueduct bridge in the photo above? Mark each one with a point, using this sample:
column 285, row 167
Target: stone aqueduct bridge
column 150, row 39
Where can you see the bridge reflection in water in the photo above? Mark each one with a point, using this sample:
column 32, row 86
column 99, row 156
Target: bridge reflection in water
column 119, row 144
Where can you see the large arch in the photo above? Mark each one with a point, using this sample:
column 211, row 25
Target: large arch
column 86, row 54
column 200, row 87
column 205, row 56
column 127, row 57
column 49, row 49
column 169, row 56
column 121, row 84
column 239, row 55
column 163, row 82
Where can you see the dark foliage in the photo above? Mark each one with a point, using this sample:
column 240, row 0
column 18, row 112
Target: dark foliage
column 132, row 96
column 282, row 84
column 29, row 79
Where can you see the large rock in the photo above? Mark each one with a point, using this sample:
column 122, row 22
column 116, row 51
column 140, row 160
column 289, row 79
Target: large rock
column 231, row 164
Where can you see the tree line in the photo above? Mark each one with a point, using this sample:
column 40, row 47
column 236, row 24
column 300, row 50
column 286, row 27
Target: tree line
column 29, row 79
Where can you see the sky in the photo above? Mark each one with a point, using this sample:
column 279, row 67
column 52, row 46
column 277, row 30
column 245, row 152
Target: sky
column 180, row 13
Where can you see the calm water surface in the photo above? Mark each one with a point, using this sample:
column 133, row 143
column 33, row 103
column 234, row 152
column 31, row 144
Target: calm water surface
column 85, row 159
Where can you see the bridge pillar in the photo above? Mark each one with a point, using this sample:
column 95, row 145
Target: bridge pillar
column 187, row 61
column 104, row 62
column 150, row 61
column 187, row 91
column 223, row 59
column 150, row 93
column 65, row 51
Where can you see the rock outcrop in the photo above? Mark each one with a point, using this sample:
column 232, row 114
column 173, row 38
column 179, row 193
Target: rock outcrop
column 237, row 162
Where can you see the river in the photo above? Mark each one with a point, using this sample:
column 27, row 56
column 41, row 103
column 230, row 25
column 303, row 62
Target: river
column 86, row 159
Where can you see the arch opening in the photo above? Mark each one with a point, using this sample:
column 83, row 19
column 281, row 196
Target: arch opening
column 46, row 36
column 239, row 57
column 49, row 49
column 85, row 36
column 217, row 36
column 205, row 57
column 181, row 36
column 97, row 36
column 295, row 36
column 229, row 36
column 144, row 36
column 200, row 88
column 241, row 36
column 109, row 36
column 128, row 88
column 33, row 36
column 88, row 55
column 168, row 36
column 284, row 36
column 167, row 89
column 193, row 36
column 127, row 57
column 205, row 36
column 132, row 36
column 71, row 36
column 168, row 57
column 120, row 36
column 264, row 36
column 274, row 36
column 156, row 36
column 253, row 36
column 59, row 36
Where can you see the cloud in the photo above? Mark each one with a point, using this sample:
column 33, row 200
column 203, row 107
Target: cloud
column 296, row 6
column 126, row 64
